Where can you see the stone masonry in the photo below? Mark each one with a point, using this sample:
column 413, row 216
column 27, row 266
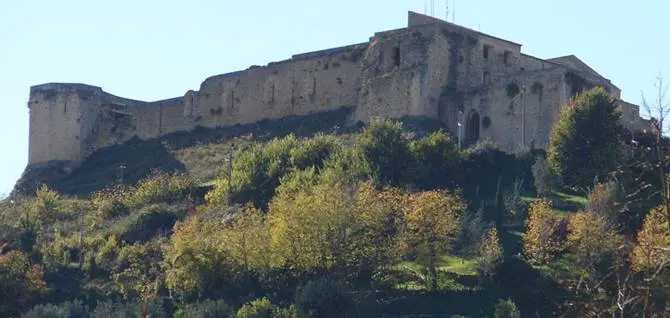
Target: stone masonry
column 481, row 87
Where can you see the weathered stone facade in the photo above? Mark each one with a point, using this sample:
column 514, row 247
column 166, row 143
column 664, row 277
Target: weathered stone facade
column 432, row 68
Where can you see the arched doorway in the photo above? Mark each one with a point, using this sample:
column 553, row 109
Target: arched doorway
column 472, row 127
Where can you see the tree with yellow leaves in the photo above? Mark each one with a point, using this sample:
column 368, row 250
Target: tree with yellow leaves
column 589, row 238
column 310, row 229
column 490, row 254
column 540, row 242
column 432, row 222
column 193, row 258
column 652, row 250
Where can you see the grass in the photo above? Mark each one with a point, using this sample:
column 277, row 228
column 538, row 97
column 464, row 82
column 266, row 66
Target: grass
column 458, row 265
column 570, row 197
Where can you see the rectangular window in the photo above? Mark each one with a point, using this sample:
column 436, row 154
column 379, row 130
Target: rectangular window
column 487, row 49
column 507, row 57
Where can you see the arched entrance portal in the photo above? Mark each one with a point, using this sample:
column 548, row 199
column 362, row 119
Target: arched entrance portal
column 472, row 128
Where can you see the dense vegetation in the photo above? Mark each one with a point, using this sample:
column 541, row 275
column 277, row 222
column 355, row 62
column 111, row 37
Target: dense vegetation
column 378, row 222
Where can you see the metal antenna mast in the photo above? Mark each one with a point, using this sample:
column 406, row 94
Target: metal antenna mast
column 446, row 4
column 453, row 13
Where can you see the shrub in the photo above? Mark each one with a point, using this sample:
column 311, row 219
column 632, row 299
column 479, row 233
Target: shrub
column 490, row 254
column 435, row 157
column 263, row 308
column 385, row 147
column 322, row 298
column 544, row 178
column 205, row 309
column 160, row 187
column 21, row 283
column 109, row 308
column 472, row 229
column 604, row 200
column 506, row 309
column 147, row 223
column 75, row 309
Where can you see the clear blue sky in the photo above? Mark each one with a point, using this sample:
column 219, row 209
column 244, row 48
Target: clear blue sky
column 149, row 49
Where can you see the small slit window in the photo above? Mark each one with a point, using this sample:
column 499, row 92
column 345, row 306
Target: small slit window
column 507, row 57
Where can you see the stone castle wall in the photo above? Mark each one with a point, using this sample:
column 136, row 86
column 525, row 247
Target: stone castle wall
column 430, row 69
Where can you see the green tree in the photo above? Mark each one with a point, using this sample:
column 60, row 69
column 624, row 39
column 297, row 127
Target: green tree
column 385, row 146
column 584, row 142
column 506, row 309
column 435, row 157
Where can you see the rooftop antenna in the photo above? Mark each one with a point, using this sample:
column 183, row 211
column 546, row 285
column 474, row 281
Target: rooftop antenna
column 425, row 7
column 453, row 13
column 432, row 8
column 446, row 17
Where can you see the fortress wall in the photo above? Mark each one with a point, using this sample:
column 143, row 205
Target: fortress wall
column 56, row 115
column 524, row 119
column 396, row 77
column 147, row 118
column 171, row 116
column 531, row 63
column 305, row 84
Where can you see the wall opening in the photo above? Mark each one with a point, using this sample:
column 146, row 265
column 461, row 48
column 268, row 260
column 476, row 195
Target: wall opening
column 537, row 89
column 472, row 127
column 396, row 56
column 507, row 57
column 64, row 107
column 487, row 49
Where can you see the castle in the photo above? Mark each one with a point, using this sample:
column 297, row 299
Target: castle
column 479, row 86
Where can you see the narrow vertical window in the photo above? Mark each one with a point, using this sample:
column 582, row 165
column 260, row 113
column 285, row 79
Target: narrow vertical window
column 64, row 107
column 507, row 57
column 396, row 56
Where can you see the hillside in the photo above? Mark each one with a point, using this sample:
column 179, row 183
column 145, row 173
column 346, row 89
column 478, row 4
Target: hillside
column 320, row 219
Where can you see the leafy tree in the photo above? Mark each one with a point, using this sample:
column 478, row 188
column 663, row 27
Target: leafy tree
column 490, row 254
column 263, row 308
column 137, row 273
column 74, row 309
column 385, row 146
column 652, row 250
column 21, row 283
column 310, row 228
column 322, row 298
column 604, row 201
column 432, row 222
column 590, row 238
column 435, row 157
column 540, row 242
column 195, row 263
column 584, row 142
column 205, row 309
column 506, row 309
column 544, row 178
